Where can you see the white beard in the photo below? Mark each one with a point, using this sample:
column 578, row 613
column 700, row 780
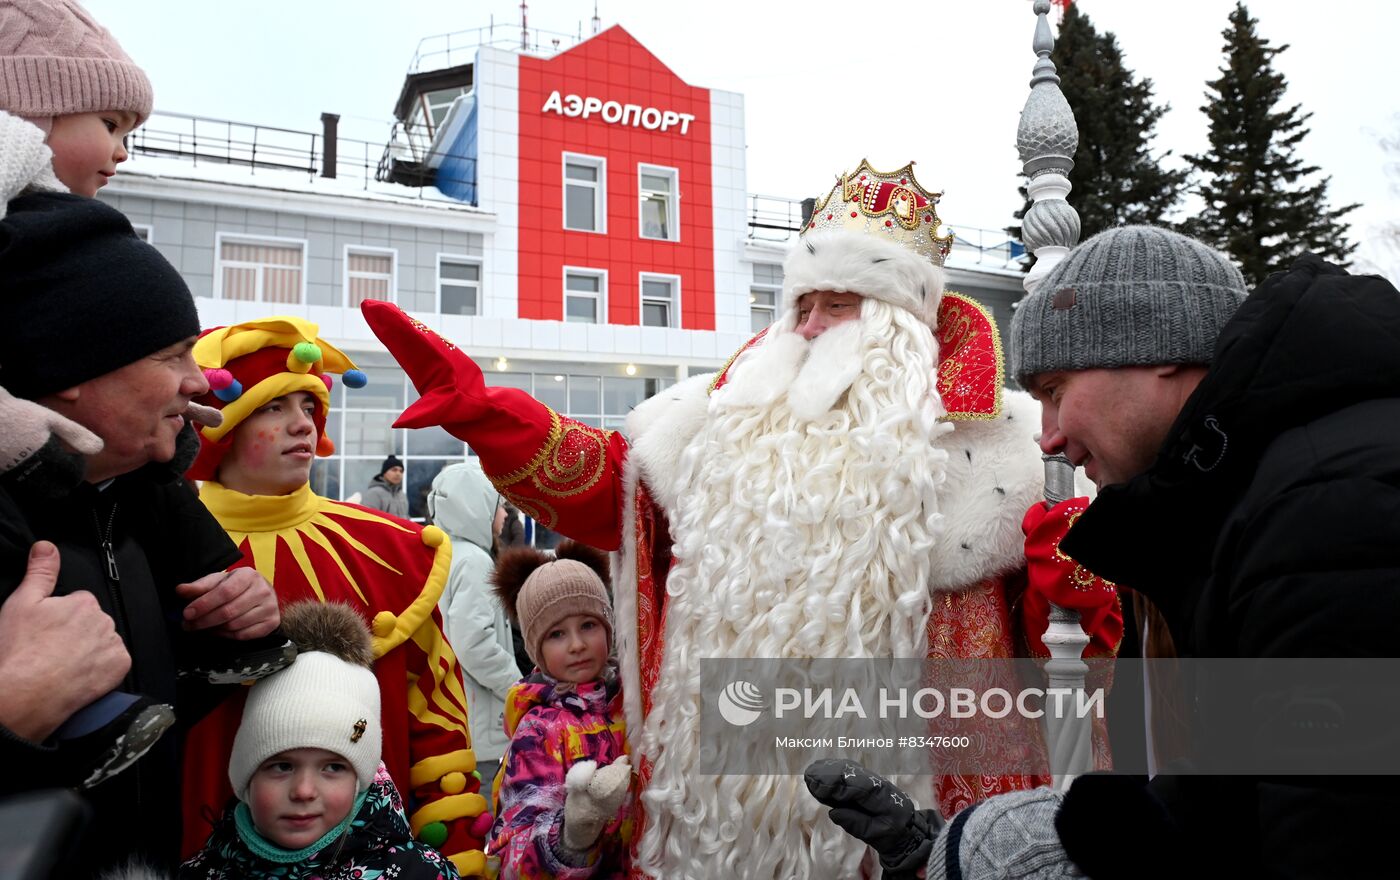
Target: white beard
column 804, row 528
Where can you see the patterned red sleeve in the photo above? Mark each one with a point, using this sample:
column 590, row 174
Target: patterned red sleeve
column 1053, row 577
column 565, row 474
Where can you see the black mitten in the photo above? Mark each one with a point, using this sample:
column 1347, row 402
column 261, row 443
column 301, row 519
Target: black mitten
column 875, row 810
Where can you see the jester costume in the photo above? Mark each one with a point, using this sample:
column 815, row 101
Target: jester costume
column 643, row 496
column 390, row 570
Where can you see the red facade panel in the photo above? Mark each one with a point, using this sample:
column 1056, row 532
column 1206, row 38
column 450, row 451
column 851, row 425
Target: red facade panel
column 613, row 66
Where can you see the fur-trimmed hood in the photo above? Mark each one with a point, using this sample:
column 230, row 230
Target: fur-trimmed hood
column 843, row 261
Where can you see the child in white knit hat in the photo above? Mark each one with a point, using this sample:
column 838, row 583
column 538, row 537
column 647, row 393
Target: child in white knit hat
column 563, row 793
column 313, row 799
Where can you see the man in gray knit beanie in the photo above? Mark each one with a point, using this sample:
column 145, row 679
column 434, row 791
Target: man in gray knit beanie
column 1116, row 338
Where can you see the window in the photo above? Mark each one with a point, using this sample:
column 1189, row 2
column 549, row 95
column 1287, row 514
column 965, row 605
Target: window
column 584, row 193
column 659, row 203
column 369, row 274
column 142, row 230
column 584, row 291
column 459, row 286
column 260, row 269
column 763, row 294
column 436, row 104
column 660, row 300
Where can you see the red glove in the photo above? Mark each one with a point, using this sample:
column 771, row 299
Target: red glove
column 1051, row 576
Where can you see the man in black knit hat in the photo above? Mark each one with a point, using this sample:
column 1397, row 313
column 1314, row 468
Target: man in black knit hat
column 385, row 491
column 111, row 571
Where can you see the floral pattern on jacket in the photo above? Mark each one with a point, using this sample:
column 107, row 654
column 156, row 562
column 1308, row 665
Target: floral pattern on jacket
column 377, row 844
column 551, row 729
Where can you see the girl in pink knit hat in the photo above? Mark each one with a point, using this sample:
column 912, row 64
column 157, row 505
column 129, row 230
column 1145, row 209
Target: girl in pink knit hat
column 65, row 74
column 563, row 793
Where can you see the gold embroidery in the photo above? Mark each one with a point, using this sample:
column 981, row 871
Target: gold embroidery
column 1081, row 577
column 961, row 334
column 534, row 508
column 580, row 455
column 556, row 432
column 429, row 331
column 572, row 459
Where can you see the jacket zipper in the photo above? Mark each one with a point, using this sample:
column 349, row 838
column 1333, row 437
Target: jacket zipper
column 114, row 576
column 114, row 579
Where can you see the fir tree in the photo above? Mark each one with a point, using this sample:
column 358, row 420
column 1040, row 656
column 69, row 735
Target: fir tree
column 1117, row 180
column 1259, row 207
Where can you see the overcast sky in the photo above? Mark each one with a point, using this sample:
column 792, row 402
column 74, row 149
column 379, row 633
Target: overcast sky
column 825, row 83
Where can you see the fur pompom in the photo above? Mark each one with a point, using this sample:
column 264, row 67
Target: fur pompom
column 513, row 568
column 330, row 627
column 589, row 556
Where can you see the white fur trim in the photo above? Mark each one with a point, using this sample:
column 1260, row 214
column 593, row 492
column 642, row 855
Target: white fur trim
column 994, row 474
column 660, row 427
column 624, row 578
column 842, row 261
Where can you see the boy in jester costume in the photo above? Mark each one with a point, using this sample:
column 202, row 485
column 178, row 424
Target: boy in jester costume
column 271, row 378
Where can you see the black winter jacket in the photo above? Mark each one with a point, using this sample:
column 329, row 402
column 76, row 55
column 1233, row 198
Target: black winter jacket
column 161, row 536
column 1269, row 526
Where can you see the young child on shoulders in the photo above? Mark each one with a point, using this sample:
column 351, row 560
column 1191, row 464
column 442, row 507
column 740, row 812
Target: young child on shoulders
column 66, row 83
column 563, row 793
column 313, row 798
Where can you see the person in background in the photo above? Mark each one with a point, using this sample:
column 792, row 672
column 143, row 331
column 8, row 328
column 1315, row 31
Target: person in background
column 385, row 491
column 464, row 504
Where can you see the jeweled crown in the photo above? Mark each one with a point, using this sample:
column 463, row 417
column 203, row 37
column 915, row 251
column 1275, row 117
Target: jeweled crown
column 885, row 203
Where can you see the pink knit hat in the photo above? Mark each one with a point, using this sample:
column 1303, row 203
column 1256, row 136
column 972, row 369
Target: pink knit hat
column 56, row 60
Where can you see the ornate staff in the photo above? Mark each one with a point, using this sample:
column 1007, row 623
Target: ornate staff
column 1046, row 139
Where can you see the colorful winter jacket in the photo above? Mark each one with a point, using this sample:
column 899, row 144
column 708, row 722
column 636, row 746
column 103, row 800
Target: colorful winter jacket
column 376, row 843
column 551, row 730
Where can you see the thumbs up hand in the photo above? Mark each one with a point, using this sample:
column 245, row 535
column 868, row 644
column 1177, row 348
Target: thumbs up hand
column 57, row 653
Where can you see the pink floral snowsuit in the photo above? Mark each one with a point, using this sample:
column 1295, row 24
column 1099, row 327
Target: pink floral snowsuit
column 550, row 731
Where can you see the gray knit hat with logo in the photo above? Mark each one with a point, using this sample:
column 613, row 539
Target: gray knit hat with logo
column 1131, row 296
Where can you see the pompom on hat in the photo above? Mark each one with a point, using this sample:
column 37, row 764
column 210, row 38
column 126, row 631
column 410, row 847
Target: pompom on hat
column 251, row 364
column 55, row 60
column 327, row 699
column 538, row 591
